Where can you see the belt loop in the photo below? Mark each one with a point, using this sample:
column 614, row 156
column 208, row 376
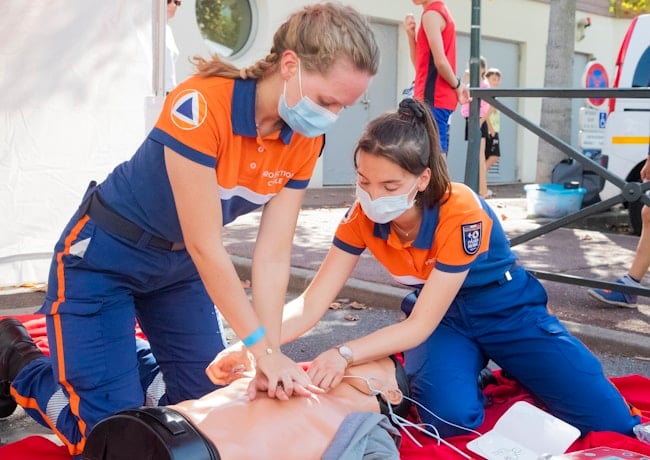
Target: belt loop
column 91, row 188
column 88, row 194
column 144, row 240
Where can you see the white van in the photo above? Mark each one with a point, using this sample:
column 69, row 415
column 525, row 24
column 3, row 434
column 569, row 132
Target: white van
column 627, row 131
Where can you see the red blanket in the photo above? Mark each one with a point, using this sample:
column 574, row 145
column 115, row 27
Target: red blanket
column 635, row 388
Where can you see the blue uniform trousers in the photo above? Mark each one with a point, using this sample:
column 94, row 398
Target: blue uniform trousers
column 99, row 284
column 509, row 323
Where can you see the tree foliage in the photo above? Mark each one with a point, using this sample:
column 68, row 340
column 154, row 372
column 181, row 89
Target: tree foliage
column 629, row 7
column 220, row 20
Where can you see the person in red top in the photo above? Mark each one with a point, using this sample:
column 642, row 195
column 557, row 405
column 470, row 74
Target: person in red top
column 146, row 242
column 433, row 54
column 472, row 301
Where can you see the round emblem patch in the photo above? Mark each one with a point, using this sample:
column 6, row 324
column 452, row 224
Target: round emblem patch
column 189, row 109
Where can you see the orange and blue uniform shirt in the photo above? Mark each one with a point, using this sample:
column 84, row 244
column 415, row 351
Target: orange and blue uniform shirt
column 462, row 233
column 500, row 313
column 210, row 121
column 100, row 281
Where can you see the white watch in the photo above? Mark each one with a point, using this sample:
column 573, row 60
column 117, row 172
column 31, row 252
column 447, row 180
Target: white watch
column 346, row 352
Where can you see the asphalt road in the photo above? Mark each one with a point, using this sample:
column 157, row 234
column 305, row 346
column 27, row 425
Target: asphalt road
column 337, row 326
column 600, row 255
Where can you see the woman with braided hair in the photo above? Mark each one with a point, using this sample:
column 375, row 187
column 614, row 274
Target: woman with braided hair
column 471, row 301
column 146, row 243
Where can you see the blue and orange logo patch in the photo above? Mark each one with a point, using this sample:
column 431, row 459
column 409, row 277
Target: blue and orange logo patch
column 472, row 234
column 189, row 109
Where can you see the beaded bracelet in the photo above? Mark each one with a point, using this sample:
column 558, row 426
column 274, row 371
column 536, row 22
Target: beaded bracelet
column 254, row 337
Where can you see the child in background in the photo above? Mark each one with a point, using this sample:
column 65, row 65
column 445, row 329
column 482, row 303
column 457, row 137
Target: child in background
column 464, row 111
column 493, row 119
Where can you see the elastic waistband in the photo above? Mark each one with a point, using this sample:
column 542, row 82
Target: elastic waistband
column 111, row 221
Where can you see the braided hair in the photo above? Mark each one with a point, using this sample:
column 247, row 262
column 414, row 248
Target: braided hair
column 319, row 34
column 409, row 138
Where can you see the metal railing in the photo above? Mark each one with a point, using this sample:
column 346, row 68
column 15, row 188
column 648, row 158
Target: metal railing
column 629, row 191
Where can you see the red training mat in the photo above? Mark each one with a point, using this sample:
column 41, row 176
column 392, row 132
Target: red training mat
column 635, row 388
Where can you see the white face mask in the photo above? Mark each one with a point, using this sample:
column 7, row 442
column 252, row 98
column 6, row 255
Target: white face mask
column 385, row 208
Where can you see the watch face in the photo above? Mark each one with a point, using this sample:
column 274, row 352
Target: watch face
column 346, row 352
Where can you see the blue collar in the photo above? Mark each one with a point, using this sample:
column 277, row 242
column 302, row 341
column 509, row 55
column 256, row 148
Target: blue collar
column 424, row 240
column 243, row 111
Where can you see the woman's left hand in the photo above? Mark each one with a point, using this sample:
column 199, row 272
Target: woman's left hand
column 229, row 365
column 327, row 370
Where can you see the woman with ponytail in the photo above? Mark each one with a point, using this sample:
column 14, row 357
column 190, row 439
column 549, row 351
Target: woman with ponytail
column 146, row 243
column 471, row 301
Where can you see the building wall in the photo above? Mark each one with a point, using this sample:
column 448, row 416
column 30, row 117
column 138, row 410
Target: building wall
column 524, row 22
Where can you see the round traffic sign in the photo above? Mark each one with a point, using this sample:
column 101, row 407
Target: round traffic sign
column 595, row 76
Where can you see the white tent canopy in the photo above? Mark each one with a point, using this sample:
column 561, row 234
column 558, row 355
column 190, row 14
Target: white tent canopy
column 76, row 87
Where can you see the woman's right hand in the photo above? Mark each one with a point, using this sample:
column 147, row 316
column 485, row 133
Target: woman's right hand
column 409, row 25
column 645, row 171
column 462, row 94
column 280, row 377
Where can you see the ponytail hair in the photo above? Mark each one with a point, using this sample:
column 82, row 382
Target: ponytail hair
column 409, row 138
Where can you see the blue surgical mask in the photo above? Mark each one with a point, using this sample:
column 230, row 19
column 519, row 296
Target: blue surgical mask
column 385, row 208
column 306, row 117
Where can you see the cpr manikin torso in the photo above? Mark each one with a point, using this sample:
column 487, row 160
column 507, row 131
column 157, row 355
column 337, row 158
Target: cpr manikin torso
column 301, row 428
column 225, row 425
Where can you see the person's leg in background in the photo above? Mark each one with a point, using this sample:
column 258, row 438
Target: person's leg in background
column 442, row 118
column 635, row 274
column 492, row 155
column 491, row 161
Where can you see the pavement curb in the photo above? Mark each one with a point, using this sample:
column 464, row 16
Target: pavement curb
column 390, row 297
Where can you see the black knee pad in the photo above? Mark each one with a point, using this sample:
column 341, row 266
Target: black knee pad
column 148, row 433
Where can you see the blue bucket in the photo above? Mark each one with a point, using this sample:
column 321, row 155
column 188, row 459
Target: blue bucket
column 553, row 200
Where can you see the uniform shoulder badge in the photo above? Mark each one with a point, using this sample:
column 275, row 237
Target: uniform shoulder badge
column 472, row 234
column 189, row 109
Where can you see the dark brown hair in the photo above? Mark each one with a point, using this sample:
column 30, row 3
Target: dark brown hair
column 409, row 138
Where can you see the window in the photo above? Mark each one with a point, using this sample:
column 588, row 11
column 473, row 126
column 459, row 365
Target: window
column 226, row 25
column 641, row 77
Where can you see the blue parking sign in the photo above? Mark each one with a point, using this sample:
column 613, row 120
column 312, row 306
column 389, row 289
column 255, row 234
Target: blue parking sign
column 602, row 119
